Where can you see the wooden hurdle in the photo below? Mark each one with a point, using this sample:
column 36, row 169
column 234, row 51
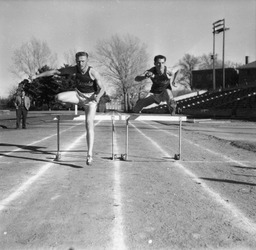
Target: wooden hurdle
column 127, row 118
column 144, row 117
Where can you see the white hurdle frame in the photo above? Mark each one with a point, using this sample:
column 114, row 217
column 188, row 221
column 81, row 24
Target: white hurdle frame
column 158, row 118
column 126, row 118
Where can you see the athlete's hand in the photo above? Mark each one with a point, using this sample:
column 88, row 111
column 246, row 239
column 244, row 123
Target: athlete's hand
column 95, row 98
column 169, row 75
column 31, row 78
column 149, row 74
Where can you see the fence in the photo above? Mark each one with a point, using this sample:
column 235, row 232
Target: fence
column 115, row 105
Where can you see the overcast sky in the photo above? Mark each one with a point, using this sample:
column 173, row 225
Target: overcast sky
column 169, row 27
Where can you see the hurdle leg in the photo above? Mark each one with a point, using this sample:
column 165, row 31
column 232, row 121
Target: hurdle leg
column 127, row 139
column 58, row 139
column 178, row 156
column 113, row 129
column 180, row 127
column 124, row 157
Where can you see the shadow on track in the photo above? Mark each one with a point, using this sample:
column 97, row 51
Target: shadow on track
column 41, row 160
column 228, row 181
column 243, row 167
column 25, row 147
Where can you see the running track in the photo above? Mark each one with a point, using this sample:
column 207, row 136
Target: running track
column 149, row 202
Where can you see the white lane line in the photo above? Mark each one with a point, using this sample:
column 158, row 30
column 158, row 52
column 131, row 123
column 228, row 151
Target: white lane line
column 118, row 230
column 227, row 161
column 227, row 158
column 24, row 187
column 35, row 142
column 240, row 220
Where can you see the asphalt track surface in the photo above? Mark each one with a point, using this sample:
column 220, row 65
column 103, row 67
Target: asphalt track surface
column 206, row 200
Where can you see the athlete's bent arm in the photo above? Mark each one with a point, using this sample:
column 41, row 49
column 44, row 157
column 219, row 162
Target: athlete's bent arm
column 45, row 74
column 172, row 74
column 145, row 75
column 140, row 78
column 174, row 78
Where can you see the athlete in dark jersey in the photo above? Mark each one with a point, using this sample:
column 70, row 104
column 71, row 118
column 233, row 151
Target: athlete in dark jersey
column 160, row 82
column 161, row 89
column 85, row 93
column 84, row 82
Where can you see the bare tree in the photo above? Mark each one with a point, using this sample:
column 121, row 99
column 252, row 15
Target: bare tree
column 230, row 64
column 206, row 62
column 121, row 59
column 32, row 56
column 187, row 63
column 69, row 57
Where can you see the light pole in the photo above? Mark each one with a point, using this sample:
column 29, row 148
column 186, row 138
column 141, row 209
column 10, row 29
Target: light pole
column 218, row 27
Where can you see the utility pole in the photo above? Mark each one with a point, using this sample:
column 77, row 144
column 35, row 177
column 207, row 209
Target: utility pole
column 213, row 63
column 218, row 27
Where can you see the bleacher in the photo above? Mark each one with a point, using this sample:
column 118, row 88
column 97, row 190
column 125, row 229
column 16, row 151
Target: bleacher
column 227, row 102
column 247, row 101
column 239, row 97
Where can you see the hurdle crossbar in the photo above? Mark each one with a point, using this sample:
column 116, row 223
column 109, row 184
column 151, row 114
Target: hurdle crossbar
column 144, row 117
column 127, row 118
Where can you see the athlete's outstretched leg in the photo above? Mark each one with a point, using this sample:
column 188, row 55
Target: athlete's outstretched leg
column 90, row 111
column 67, row 97
column 171, row 104
column 74, row 97
column 142, row 103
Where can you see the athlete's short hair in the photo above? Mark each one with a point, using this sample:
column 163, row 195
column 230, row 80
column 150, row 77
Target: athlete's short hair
column 159, row 57
column 82, row 53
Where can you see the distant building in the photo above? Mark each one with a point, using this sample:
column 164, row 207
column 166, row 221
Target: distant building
column 203, row 79
column 247, row 74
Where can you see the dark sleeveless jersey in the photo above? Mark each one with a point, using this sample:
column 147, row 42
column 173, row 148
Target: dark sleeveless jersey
column 160, row 82
column 83, row 82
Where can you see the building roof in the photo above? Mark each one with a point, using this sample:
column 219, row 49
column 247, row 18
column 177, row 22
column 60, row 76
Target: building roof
column 251, row 65
column 210, row 70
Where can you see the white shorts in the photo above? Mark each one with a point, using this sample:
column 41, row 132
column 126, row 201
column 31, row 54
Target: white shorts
column 85, row 99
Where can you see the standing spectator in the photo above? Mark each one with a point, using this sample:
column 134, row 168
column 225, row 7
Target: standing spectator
column 22, row 104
